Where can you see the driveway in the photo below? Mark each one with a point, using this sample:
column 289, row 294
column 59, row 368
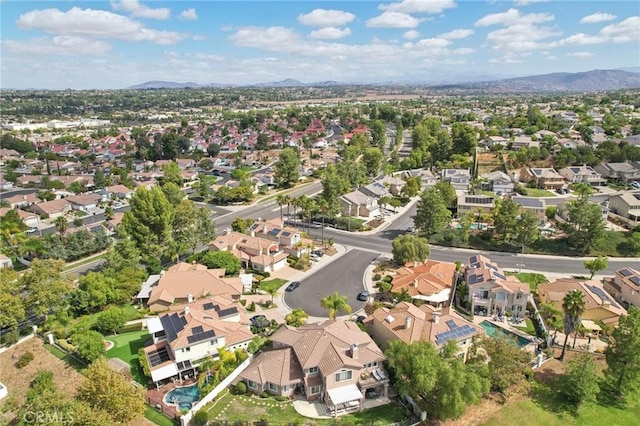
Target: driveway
column 343, row 275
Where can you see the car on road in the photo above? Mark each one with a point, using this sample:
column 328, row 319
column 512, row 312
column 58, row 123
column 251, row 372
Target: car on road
column 363, row 296
column 292, row 286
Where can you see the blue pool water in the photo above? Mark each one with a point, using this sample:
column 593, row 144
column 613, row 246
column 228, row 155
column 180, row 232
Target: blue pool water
column 494, row 330
column 183, row 397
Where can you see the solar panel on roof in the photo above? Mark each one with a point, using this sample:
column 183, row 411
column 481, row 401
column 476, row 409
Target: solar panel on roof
column 254, row 226
column 209, row 334
column 157, row 357
column 625, row 272
column 499, row 275
column 207, row 306
column 286, row 234
column 227, row 312
column 452, row 324
column 603, row 295
column 635, row 280
column 197, row 330
column 473, row 259
column 274, row 231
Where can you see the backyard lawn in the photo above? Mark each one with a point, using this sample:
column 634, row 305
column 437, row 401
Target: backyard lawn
column 274, row 283
column 126, row 348
column 529, row 329
column 233, row 408
column 157, row 417
column 536, row 192
column 531, row 278
column 130, row 313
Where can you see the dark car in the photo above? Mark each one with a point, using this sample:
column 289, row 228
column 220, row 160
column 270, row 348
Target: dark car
column 363, row 296
column 361, row 319
column 293, row 285
column 318, row 253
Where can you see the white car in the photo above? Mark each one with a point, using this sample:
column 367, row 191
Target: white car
column 32, row 230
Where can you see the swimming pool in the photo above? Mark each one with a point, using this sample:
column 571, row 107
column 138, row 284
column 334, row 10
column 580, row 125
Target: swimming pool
column 183, row 397
column 494, row 330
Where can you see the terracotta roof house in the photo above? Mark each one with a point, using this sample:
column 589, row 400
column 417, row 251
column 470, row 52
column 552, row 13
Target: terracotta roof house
column 430, row 281
column 184, row 283
column 624, row 287
column 288, row 238
column 333, row 361
column 28, row 218
column 116, row 191
column 84, row 202
column 189, row 333
column 21, row 200
column 426, row 323
column 491, row 292
column 52, row 209
column 600, row 305
column 254, row 252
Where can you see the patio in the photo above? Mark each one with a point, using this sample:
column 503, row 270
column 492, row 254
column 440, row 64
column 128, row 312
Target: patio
column 155, row 397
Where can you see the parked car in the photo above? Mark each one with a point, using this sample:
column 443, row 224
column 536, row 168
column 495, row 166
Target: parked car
column 360, row 319
column 363, row 296
column 32, row 230
column 292, row 286
column 318, row 253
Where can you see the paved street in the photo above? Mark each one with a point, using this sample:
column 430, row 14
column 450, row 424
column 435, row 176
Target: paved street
column 344, row 275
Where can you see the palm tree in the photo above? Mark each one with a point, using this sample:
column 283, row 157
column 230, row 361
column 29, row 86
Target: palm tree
column 287, row 200
column 552, row 316
column 281, row 200
column 573, row 306
column 296, row 318
column 335, row 303
column 322, row 207
column 61, row 225
column 272, row 291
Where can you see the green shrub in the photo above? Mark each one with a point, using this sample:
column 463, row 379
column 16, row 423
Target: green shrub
column 243, row 302
column 252, row 307
column 384, row 286
column 24, row 359
column 388, row 278
column 65, row 345
column 241, row 388
column 10, row 338
column 200, row 418
column 281, row 398
column 265, row 394
column 377, row 277
column 130, row 327
column 144, row 363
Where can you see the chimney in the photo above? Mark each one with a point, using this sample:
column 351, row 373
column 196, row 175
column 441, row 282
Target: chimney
column 415, row 263
column 265, row 228
column 407, row 322
column 190, row 298
column 606, row 304
column 252, row 233
column 354, row 351
column 436, row 317
column 415, row 282
column 186, row 310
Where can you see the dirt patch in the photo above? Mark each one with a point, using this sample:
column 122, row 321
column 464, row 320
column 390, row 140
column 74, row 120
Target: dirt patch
column 478, row 414
column 17, row 380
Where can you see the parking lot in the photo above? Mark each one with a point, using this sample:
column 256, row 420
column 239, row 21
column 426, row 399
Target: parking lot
column 344, row 275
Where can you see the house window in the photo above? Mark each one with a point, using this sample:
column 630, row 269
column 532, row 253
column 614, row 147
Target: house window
column 519, row 296
column 371, row 364
column 186, row 349
column 214, row 342
column 501, row 296
column 313, row 370
column 285, row 388
column 344, row 375
column 314, row 390
column 273, row 387
column 252, row 385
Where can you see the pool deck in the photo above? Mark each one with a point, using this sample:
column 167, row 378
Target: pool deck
column 505, row 325
column 156, row 396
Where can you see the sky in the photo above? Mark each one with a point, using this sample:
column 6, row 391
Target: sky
column 115, row 44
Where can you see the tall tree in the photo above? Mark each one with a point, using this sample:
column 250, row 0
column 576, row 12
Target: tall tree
column 372, row 159
column 505, row 218
column 335, row 303
column 432, row 214
column 172, row 173
column 623, row 354
column 411, row 186
column 333, row 186
column 507, row 364
column 594, row 265
column 379, row 134
column 409, row 248
column 110, row 391
column 45, row 286
column 286, row 168
column 447, row 192
column 573, row 305
column 463, row 137
column 12, row 309
column 580, row 382
column 527, row 231
column 61, row 225
column 89, row 345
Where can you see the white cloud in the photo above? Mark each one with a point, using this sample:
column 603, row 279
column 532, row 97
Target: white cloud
column 200, row 37
column 428, row 43
column 330, row 33
column 528, row 2
column 390, row 19
column 141, row 11
column 188, row 15
column 411, row 35
column 94, row 23
column 597, row 17
column 521, row 37
column 552, row 57
column 581, row 39
column 326, row 18
column 513, row 16
column 270, row 39
column 456, row 34
column 622, row 32
column 580, row 54
column 419, row 6
column 59, row 45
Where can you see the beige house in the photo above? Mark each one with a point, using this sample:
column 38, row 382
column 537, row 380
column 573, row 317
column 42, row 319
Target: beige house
column 426, row 323
column 545, row 178
column 624, row 287
column 491, row 292
column 582, row 174
column 626, row 204
column 475, row 204
column 430, row 282
column 190, row 333
column 288, row 238
column 254, row 252
column 357, row 204
column 52, row 209
column 186, row 283
column 333, row 361
column 600, row 305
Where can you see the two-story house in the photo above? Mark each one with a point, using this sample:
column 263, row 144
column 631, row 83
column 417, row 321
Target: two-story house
column 459, row 178
column 626, row 204
column 427, row 179
column 426, row 323
column 190, row 333
column 499, row 182
column 545, row 178
column 623, row 172
column 582, row 174
column 254, row 252
column 476, row 204
column 624, row 287
column 491, row 292
column 333, row 361
column 430, row 281
column 356, row 203
column 375, row 190
column 289, row 239
column 536, row 205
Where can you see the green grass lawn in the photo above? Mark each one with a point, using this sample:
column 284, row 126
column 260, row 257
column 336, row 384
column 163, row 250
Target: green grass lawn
column 130, row 312
column 68, row 358
column 126, row 348
column 536, row 192
column 232, row 408
column 274, row 283
column 531, row 278
column 545, row 408
column 157, row 417
column 529, row 328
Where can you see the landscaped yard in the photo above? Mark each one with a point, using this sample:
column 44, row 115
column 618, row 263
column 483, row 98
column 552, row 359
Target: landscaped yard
column 157, row 417
column 275, row 283
column 531, row 278
column 130, row 313
column 536, row 192
column 126, row 347
column 529, row 329
column 232, row 408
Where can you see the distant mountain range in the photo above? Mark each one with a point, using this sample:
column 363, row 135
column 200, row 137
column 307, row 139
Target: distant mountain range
column 588, row 81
